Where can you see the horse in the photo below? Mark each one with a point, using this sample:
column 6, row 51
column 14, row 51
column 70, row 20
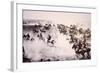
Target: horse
column 27, row 37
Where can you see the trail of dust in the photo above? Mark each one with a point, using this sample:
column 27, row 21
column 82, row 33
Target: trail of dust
column 38, row 49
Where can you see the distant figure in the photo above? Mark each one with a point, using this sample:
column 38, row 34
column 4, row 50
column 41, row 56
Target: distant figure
column 35, row 31
column 24, row 36
column 32, row 39
column 48, row 60
column 52, row 42
column 80, row 44
column 40, row 36
column 88, row 53
column 75, row 45
column 47, row 26
column 41, row 60
column 27, row 37
column 48, row 39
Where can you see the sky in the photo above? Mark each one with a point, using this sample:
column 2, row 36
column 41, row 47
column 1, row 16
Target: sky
column 67, row 18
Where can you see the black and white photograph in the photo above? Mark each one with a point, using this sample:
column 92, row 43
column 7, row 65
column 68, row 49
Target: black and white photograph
column 49, row 36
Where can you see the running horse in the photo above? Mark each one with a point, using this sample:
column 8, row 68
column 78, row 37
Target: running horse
column 27, row 37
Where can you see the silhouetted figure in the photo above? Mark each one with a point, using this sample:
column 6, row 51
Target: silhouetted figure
column 47, row 26
column 52, row 42
column 48, row 60
column 41, row 60
column 86, row 49
column 74, row 46
column 35, row 30
column 88, row 53
column 80, row 44
column 71, row 39
column 49, row 38
column 32, row 39
column 27, row 37
column 40, row 36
